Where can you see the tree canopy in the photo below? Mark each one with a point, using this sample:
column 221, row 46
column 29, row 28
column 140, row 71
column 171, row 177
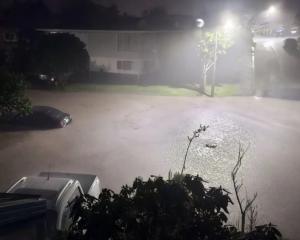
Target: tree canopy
column 60, row 54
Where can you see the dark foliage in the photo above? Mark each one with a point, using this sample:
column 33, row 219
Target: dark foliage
column 89, row 14
column 77, row 14
column 291, row 47
column 157, row 209
column 20, row 56
column 24, row 14
column 61, row 55
column 264, row 232
column 156, row 18
column 12, row 94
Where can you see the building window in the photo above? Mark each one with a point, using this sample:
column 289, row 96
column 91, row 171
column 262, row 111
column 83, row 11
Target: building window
column 128, row 42
column 124, row 65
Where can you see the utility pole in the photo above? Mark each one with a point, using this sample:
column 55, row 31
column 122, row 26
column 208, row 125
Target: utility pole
column 253, row 69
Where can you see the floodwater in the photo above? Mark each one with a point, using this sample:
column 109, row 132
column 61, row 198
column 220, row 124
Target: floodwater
column 119, row 137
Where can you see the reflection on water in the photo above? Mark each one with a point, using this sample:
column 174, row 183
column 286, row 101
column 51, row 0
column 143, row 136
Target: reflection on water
column 8, row 139
column 213, row 164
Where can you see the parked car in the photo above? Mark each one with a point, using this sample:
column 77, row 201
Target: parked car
column 41, row 80
column 47, row 79
column 59, row 190
column 42, row 117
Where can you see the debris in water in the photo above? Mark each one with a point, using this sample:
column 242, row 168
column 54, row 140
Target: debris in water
column 211, row 145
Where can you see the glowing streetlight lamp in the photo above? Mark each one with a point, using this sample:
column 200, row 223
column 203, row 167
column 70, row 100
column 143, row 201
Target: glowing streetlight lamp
column 272, row 11
column 200, row 23
column 229, row 25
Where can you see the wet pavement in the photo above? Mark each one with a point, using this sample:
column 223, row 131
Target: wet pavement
column 120, row 137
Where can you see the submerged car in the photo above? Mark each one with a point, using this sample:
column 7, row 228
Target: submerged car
column 43, row 117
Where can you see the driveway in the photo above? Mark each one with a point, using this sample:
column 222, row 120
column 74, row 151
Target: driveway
column 119, row 137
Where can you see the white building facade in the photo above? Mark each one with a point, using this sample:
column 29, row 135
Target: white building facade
column 173, row 53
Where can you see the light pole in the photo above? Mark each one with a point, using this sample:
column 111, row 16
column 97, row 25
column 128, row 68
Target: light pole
column 200, row 24
column 267, row 14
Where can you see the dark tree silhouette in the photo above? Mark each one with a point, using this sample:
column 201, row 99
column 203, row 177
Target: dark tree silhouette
column 291, row 47
column 61, row 55
column 77, row 14
column 156, row 18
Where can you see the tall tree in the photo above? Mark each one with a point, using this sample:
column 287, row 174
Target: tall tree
column 211, row 45
column 61, row 55
column 156, row 18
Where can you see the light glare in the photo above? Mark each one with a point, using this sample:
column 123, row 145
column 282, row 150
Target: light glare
column 229, row 25
column 272, row 11
column 268, row 44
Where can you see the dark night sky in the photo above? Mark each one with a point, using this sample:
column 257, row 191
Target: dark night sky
column 192, row 7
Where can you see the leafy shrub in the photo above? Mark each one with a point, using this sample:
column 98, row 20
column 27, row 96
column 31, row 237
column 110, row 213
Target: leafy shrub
column 178, row 208
column 12, row 94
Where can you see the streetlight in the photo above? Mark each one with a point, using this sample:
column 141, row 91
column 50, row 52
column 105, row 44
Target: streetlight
column 229, row 25
column 272, row 10
column 268, row 14
column 200, row 23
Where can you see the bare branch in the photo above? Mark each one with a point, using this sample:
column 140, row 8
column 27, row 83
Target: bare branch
column 250, row 202
column 252, row 217
column 237, row 187
column 196, row 134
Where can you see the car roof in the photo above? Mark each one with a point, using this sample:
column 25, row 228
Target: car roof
column 49, row 111
column 85, row 180
column 48, row 188
column 46, row 109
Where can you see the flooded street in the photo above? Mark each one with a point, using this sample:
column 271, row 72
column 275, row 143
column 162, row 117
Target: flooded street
column 119, row 137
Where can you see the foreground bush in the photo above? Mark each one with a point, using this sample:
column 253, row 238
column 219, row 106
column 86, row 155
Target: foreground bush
column 157, row 209
column 12, row 94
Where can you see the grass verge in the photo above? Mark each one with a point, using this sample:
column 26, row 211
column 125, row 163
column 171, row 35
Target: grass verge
column 159, row 90
column 223, row 90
